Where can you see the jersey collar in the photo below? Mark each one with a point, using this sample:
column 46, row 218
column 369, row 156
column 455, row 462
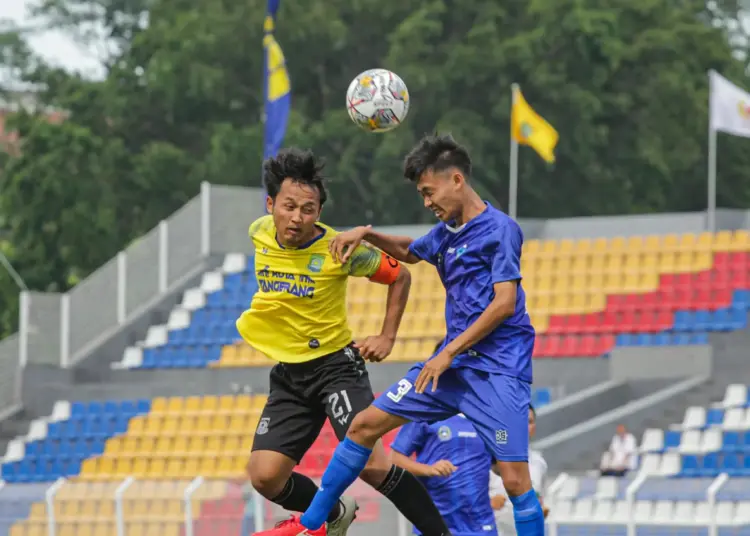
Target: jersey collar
column 450, row 226
column 306, row 244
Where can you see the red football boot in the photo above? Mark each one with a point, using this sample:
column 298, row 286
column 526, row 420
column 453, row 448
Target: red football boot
column 292, row 527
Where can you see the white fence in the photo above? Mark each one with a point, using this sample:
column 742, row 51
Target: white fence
column 139, row 507
column 627, row 518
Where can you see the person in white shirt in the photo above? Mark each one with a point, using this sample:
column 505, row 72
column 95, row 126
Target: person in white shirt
column 622, row 454
column 498, row 496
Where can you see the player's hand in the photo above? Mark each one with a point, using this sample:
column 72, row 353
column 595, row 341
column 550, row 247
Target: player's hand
column 545, row 510
column 498, row 502
column 442, row 468
column 343, row 244
column 375, row 348
column 432, row 371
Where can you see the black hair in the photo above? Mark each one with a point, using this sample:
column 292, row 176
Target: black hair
column 295, row 164
column 436, row 153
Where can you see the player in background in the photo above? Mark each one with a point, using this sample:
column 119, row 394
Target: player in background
column 298, row 318
column 454, row 465
column 483, row 368
column 537, row 468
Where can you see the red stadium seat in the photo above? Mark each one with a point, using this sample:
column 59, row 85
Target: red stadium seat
column 556, row 324
column 575, row 324
column 722, row 261
column 571, row 346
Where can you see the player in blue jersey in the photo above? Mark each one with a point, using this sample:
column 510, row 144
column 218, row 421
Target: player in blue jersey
column 483, row 367
column 454, row 464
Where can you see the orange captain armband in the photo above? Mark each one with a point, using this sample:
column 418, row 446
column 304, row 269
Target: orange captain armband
column 388, row 270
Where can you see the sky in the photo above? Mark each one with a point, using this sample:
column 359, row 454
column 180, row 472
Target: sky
column 54, row 47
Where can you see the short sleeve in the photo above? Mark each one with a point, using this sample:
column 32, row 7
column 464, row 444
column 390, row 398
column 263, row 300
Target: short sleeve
column 364, row 262
column 410, row 439
column 506, row 254
column 427, row 247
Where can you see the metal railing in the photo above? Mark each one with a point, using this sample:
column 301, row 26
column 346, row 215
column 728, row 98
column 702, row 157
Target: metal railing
column 141, row 507
column 713, row 522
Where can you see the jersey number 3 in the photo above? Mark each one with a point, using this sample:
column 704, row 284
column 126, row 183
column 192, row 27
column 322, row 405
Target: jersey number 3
column 404, row 386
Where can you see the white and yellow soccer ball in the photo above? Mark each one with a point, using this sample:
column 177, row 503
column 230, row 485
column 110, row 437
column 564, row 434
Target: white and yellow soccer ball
column 377, row 100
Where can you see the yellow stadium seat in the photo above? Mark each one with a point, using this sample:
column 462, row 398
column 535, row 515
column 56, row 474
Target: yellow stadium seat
column 85, row 529
column 67, row 530
column 159, row 405
column 103, row 529
column 228, row 356
column 634, row 244
column 208, row 467
column 137, row 425
column 667, row 262
column 583, row 247
column 652, row 243
column 600, row 246
column 649, row 281
column 740, row 240
column 597, row 264
column 156, row 468
column 163, row 445
column 597, row 301
column 580, row 265
column 122, row 467
column 18, row 530
column 670, row 242
column 545, row 268
column 105, row 509
column 614, row 262
column 688, row 242
column 702, row 260
column 684, row 261
column 36, row 529
column 532, row 248
column 175, row 405
column 577, row 303
column 38, row 511
column 649, row 263
column 562, row 265
column 630, row 283
column 565, row 248
column 549, row 249
column 617, row 244
column 705, row 241
column 170, row 425
column 540, row 322
column 613, row 283
column 722, row 241
column 180, row 445
column 70, row 510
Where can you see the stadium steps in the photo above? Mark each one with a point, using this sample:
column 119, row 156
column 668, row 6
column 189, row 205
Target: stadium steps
column 14, row 426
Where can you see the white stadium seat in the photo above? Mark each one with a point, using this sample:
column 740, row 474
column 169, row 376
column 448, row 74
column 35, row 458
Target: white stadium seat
column 735, row 395
column 653, row 440
column 234, row 263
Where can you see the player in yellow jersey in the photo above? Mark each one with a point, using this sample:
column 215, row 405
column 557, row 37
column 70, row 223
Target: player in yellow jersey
column 298, row 318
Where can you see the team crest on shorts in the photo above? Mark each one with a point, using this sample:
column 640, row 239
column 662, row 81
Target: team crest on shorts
column 315, row 264
column 444, row 433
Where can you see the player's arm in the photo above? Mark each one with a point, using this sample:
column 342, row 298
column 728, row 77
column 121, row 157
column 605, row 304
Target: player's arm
column 384, row 269
column 397, row 247
column 401, row 248
column 409, row 440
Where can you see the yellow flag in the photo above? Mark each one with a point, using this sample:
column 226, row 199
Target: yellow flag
column 529, row 128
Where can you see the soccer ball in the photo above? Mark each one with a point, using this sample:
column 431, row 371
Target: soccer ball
column 377, row 100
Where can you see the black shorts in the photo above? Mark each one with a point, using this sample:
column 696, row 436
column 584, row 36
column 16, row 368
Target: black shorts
column 302, row 395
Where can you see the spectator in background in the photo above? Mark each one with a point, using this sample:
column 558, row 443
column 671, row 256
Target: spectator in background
column 622, row 454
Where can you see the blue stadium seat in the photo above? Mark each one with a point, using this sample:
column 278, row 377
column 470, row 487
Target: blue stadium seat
column 672, row 439
column 731, row 442
column 714, row 416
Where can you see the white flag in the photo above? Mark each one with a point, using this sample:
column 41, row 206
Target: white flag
column 730, row 107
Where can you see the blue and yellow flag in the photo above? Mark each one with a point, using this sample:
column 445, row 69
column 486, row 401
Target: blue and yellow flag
column 529, row 128
column 276, row 84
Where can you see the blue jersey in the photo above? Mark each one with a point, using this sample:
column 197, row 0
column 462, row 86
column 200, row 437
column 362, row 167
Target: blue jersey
column 470, row 259
column 462, row 498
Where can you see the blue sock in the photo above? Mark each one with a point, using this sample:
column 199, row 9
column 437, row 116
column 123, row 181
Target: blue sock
column 348, row 461
column 528, row 514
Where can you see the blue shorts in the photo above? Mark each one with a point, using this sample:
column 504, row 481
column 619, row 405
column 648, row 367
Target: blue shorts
column 497, row 405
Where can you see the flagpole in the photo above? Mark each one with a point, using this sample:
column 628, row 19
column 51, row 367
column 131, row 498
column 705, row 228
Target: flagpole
column 513, row 186
column 711, row 211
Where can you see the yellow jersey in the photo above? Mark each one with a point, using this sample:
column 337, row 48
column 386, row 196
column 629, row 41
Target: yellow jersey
column 299, row 310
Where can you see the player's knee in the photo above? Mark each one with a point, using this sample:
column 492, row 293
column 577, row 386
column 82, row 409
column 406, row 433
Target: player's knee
column 365, row 429
column 516, row 478
column 265, row 478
